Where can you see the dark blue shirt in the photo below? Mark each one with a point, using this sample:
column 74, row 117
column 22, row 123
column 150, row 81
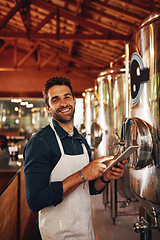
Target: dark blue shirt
column 41, row 155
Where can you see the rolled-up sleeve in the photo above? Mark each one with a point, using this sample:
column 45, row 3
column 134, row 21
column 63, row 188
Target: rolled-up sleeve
column 40, row 192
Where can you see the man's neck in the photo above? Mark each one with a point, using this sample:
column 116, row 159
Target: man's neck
column 68, row 127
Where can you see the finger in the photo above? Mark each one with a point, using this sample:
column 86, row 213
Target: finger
column 125, row 161
column 120, row 165
column 117, row 170
column 116, row 173
column 101, row 166
column 104, row 166
column 105, row 158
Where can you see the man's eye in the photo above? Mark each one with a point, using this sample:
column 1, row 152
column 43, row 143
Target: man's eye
column 54, row 100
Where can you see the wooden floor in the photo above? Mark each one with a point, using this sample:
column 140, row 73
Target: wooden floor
column 103, row 223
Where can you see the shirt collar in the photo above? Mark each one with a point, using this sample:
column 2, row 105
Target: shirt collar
column 62, row 133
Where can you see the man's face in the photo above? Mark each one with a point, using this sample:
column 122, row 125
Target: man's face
column 61, row 103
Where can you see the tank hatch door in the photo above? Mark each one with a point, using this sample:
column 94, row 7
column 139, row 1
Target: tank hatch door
column 138, row 132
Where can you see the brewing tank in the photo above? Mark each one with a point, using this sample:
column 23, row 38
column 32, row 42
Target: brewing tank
column 143, row 125
column 102, row 128
column 120, row 105
column 111, row 104
column 88, row 114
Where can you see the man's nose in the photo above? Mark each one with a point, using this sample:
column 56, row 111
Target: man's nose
column 63, row 102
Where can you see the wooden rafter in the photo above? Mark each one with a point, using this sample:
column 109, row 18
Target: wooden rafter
column 138, row 6
column 117, row 10
column 77, row 34
column 27, row 56
column 11, row 13
column 77, row 19
column 80, row 36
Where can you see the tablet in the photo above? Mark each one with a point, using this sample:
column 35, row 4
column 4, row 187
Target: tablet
column 121, row 157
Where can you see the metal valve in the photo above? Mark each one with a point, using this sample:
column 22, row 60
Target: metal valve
column 126, row 203
column 142, row 226
column 145, row 225
column 120, row 143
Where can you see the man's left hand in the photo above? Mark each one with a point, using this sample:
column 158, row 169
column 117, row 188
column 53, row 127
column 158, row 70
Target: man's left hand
column 115, row 172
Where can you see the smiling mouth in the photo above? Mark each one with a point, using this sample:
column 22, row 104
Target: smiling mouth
column 65, row 110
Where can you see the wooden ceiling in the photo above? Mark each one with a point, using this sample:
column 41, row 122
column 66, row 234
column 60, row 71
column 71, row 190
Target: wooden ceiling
column 79, row 36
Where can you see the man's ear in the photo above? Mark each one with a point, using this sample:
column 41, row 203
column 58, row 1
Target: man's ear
column 48, row 108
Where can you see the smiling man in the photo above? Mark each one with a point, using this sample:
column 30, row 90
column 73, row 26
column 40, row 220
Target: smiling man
column 59, row 172
column 61, row 105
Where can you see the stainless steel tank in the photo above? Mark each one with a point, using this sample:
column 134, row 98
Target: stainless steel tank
column 120, row 104
column 88, row 114
column 102, row 128
column 143, row 125
column 111, row 106
column 110, row 112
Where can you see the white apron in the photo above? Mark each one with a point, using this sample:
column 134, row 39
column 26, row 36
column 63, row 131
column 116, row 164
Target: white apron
column 71, row 219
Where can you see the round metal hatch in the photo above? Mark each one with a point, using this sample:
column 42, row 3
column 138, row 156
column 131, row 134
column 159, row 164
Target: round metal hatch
column 138, row 132
column 96, row 134
column 83, row 130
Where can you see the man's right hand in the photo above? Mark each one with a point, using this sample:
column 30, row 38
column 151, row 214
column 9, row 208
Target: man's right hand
column 94, row 169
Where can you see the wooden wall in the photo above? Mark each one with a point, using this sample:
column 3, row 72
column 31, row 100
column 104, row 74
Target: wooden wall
column 8, row 212
column 5, row 178
column 14, row 212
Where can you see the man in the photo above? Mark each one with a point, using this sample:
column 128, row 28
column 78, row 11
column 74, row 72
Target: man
column 59, row 173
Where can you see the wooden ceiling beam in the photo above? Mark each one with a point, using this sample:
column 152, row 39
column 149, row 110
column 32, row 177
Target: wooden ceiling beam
column 70, row 16
column 72, row 59
column 11, row 13
column 67, row 68
column 53, row 55
column 109, row 17
column 74, row 27
column 4, row 46
column 121, row 12
column 87, row 6
column 62, row 36
column 44, row 21
column 27, row 56
column 112, row 28
column 25, row 15
column 59, row 53
column 138, row 6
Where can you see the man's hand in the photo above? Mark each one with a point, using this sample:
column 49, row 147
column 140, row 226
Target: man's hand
column 94, row 169
column 115, row 172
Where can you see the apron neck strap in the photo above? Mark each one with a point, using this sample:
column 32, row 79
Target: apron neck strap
column 60, row 143
column 58, row 138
